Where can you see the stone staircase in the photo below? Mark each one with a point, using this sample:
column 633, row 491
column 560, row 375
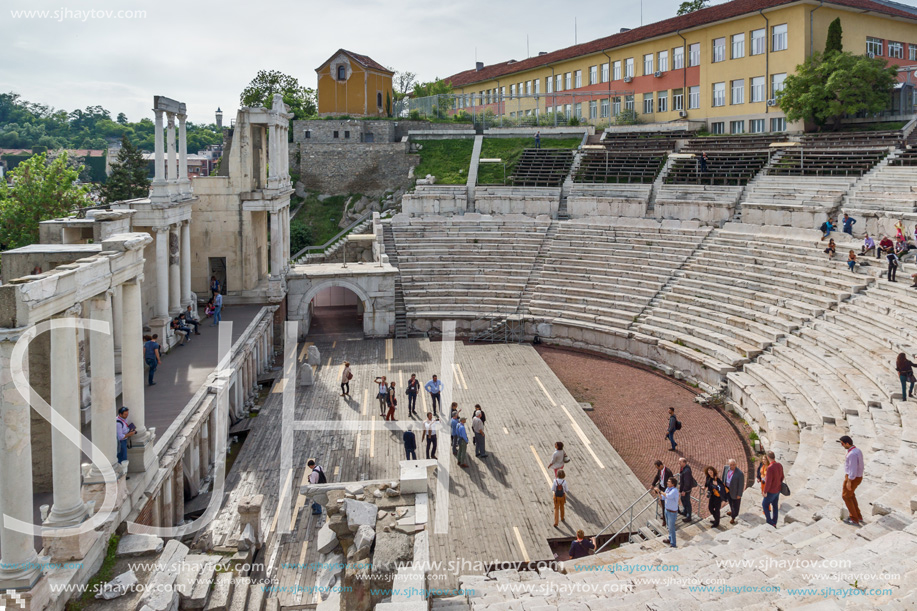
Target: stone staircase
column 336, row 246
column 657, row 184
column 535, row 272
column 388, row 241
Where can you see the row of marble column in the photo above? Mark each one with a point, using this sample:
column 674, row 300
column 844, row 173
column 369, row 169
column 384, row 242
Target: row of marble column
column 18, row 564
column 171, row 179
column 257, row 361
column 280, row 241
column 173, row 276
column 278, row 158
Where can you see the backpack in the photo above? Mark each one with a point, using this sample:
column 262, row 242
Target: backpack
column 678, row 425
column 349, row 375
column 321, row 475
column 558, row 489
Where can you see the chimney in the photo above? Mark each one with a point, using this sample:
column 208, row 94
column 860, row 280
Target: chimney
column 478, row 66
column 622, row 30
column 542, row 53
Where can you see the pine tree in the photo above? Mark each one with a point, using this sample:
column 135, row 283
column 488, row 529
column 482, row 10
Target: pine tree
column 835, row 36
column 129, row 175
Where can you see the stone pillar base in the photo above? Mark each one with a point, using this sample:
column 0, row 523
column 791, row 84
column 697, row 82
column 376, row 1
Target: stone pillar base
column 276, row 288
column 34, row 597
column 63, row 546
column 141, row 457
column 94, row 488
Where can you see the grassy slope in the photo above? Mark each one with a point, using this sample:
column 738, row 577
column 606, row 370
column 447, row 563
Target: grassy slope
column 321, row 219
column 448, row 160
column 510, row 150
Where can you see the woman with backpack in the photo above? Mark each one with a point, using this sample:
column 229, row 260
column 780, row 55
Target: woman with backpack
column 905, row 370
column 559, row 488
column 716, row 492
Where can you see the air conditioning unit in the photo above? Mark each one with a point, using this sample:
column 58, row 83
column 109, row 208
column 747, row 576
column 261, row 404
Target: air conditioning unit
column 871, row 54
column 657, row 74
column 772, row 102
column 628, row 79
column 682, row 113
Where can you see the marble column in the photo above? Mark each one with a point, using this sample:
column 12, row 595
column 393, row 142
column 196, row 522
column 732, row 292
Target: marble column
column 117, row 307
column 162, row 272
column 273, row 170
column 183, row 154
column 170, row 143
column 102, row 360
column 285, row 228
column 141, row 454
column 185, row 252
column 19, row 564
column 174, row 271
column 68, row 508
column 276, row 248
column 160, row 176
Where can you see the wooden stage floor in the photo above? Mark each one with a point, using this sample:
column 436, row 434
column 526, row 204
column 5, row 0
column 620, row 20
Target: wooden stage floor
column 500, row 509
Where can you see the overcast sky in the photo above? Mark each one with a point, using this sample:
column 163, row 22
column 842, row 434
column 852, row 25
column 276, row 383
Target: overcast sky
column 204, row 53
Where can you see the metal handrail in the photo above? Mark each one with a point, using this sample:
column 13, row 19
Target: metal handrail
column 339, row 235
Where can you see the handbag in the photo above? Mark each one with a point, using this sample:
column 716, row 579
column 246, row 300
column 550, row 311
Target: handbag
column 566, row 458
column 784, row 489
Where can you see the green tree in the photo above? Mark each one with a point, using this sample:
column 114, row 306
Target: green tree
column 835, row 37
column 689, row 6
column 266, row 83
column 403, row 83
column 41, row 190
column 122, row 118
column 826, row 88
column 129, row 175
column 436, row 87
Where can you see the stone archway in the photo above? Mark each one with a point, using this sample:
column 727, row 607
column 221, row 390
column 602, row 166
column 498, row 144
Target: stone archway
column 345, row 284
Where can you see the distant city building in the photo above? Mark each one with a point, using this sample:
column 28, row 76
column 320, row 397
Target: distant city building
column 355, row 85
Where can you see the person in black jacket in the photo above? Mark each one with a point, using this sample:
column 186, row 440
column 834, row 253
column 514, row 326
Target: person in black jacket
column 734, row 480
column 663, row 473
column 410, row 444
column 715, row 492
column 411, row 391
column 673, row 426
column 686, row 483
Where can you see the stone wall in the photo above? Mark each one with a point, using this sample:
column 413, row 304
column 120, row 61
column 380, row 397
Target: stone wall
column 370, row 169
column 356, row 131
column 435, row 199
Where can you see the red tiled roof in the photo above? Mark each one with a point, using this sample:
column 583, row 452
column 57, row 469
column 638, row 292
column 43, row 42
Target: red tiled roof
column 365, row 60
column 720, row 12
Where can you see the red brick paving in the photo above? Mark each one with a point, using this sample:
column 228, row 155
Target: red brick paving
column 631, row 409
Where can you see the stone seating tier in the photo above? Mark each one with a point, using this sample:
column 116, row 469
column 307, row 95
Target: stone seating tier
column 853, row 139
column 541, row 168
column 732, row 143
column 735, row 168
column 826, row 161
column 616, row 166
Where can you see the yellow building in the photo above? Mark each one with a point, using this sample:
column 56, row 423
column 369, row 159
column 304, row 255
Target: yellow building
column 355, row 85
column 722, row 65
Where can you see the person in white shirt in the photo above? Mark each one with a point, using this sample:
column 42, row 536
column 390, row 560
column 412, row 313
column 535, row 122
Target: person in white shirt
column 557, row 458
column 429, row 433
column 853, row 475
column 382, row 395
column 669, row 497
column 560, row 490
column 477, row 427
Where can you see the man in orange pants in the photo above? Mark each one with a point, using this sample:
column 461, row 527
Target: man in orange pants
column 853, row 475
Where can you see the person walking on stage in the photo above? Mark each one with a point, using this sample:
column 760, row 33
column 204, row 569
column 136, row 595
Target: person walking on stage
column 410, row 444
column 734, row 480
column 435, row 387
column 853, row 475
column 560, row 490
column 411, row 392
column 382, row 395
column 346, row 377
column 151, row 353
column 477, row 429
column 715, row 494
column 462, row 435
column 663, row 474
column 773, row 484
column 429, row 433
column 686, row 484
column 453, row 430
column 669, row 499
column 392, row 402
column 558, row 458
column 674, row 425
column 217, row 309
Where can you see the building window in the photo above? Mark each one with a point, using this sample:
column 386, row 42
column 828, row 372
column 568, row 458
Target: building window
column 647, row 103
column 593, row 75
column 628, row 102
column 503, row 93
column 663, row 61
column 379, row 99
column 579, row 79
column 738, row 91
column 678, row 99
column 568, row 80
column 648, row 64
column 549, row 84
column 719, row 94
column 694, row 54
column 629, row 67
column 737, row 127
column 874, row 46
column 537, row 84
column 757, row 42
column 307, row 134
column 369, row 137
column 694, row 96
column 605, row 109
column 342, row 73
column 719, row 50
column 616, row 106
column 738, row 46
column 777, row 83
column 756, row 126
column 593, row 109
column 778, row 124
column 559, row 85
column 678, row 58
column 617, row 71
column 346, row 135
column 757, row 89
column 896, row 50
column 778, row 37
column 528, row 88
column 912, row 52
column 512, row 91
column 334, row 135
column 567, row 111
column 718, row 128
column 662, row 101
column 604, row 73
column 578, row 111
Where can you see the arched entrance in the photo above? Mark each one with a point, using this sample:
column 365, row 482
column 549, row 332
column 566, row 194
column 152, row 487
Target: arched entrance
column 336, row 309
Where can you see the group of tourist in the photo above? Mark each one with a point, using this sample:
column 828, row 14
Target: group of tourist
column 181, row 326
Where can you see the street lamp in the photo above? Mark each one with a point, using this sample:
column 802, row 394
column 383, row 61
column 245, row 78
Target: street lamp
column 219, row 115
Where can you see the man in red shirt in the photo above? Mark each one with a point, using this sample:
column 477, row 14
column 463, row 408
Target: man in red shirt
column 773, row 480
